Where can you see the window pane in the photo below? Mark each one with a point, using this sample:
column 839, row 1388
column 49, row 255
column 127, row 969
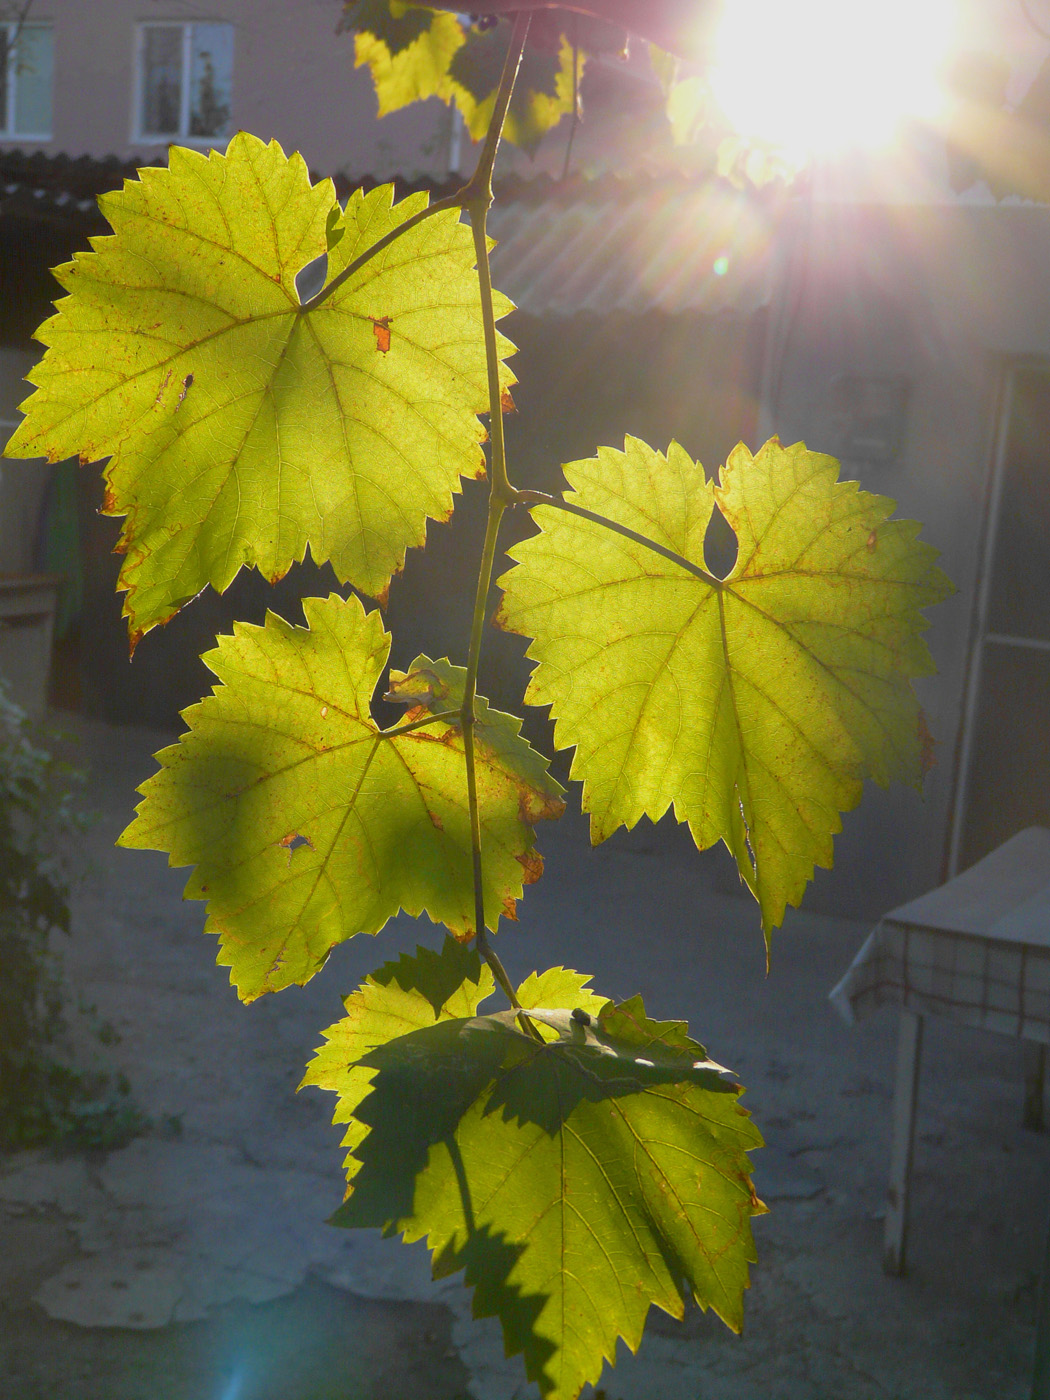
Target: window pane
column 211, row 71
column 161, row 80
column 31, row 67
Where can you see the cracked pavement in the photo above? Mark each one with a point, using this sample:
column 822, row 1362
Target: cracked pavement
column 143, row 1271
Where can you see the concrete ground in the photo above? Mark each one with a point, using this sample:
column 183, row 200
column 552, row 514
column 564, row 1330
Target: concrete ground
column 194, row 1264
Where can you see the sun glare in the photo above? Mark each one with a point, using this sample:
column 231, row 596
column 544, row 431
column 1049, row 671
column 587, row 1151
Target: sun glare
column 819, row 76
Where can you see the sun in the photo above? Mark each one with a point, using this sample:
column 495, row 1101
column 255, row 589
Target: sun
column 815, row 77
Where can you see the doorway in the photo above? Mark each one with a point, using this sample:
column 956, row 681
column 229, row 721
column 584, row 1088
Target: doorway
column 1003, row 779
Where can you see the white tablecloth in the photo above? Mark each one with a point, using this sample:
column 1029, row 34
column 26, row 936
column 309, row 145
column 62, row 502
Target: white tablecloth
column 976, row 950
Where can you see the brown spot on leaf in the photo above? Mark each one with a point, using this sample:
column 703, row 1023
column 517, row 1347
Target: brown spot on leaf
column 536, row 807
column 510, row 909
column 294, row 840
column 873, row 541
column 436, row 820
column 187, row 385
column 532, row 865
column 506, row 402
column 381, row 331
column 464, row 936
column 927, row 744
column 82, row 459
column 164, row 385
column 109, row 503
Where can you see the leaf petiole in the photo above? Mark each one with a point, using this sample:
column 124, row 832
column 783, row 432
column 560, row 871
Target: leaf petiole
column 445, row 717
column 541, row 498
column 451, row 201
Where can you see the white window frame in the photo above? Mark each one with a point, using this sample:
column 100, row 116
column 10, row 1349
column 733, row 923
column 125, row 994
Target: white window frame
column 7, row 117
column 182, row 136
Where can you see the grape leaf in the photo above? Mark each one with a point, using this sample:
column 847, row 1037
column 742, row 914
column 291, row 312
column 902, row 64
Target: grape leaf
column 684, row 27
column 397, row 23
column 542, row 95
column 577, row 1182
column 402, row 996
column 306, row 825
column 757, row 704
column 242, row 427
column 408, row 51
column 410, row 994
column 414, row 53
column 420, row 989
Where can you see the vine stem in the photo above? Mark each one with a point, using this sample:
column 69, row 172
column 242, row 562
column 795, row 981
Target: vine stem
column 476, row 198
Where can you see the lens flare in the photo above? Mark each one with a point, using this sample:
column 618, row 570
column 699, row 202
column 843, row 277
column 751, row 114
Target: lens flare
column 819, row 76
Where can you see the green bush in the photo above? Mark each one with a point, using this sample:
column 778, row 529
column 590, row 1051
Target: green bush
column 45, row 1099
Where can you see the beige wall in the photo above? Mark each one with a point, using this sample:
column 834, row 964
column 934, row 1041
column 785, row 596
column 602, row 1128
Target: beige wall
column 293, row 79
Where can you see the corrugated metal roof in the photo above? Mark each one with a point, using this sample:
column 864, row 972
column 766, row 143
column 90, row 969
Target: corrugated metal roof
column 673, row 248
column 600, row 245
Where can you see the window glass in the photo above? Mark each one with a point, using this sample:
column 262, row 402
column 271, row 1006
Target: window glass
column 161, row 80
column 211, row 70
column 32, row 65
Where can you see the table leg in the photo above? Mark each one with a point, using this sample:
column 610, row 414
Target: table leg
column 909, row 1055
column 1034, row 1077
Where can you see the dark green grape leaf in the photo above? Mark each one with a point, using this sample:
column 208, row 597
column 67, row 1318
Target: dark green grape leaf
column 398, row 25
column 408, row 50
column 307, row 825
column 242, row 428
column 577, row 1182
column 543, row 93
column 755, row 705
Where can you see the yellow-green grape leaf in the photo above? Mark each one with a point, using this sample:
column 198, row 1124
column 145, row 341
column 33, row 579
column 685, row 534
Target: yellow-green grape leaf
column 407, row 49
column 306, row 825
column 414, row 992
column 409, row 994
column 577, row 1182
column 241, row 427
column 754, row 705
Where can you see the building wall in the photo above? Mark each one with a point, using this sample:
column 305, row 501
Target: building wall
column 945, row 296
column 293, row 80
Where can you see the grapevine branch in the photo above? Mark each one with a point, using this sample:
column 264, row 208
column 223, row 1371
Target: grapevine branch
column 475, row 197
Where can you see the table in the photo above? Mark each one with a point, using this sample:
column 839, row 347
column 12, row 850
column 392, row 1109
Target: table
column 976, row 951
